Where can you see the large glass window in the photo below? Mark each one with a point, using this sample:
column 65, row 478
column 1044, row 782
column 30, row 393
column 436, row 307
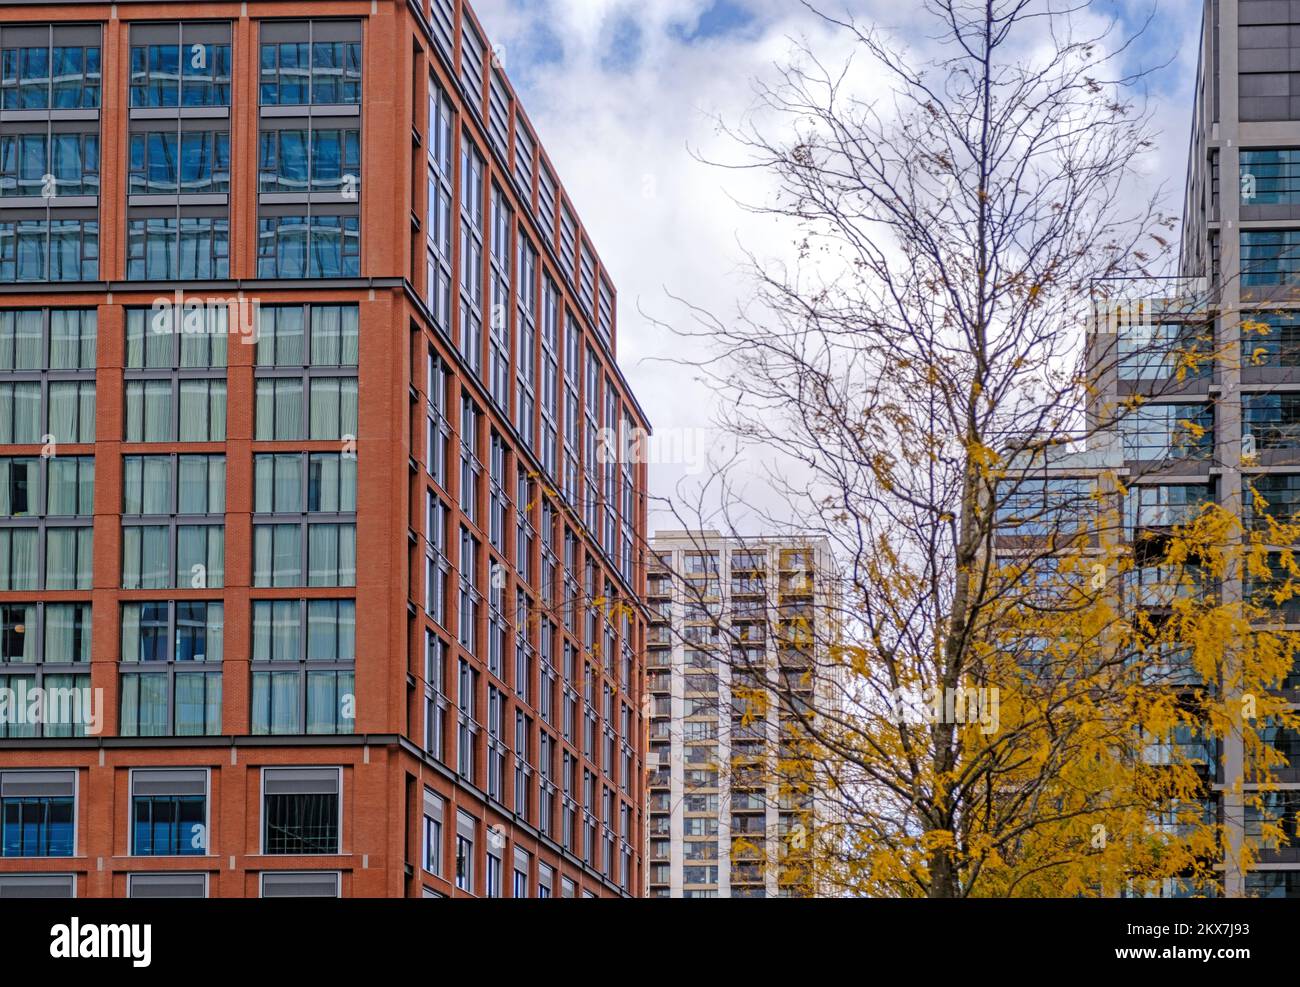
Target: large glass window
column 178, row 247
column 295, row 245
column 38, row 809
column 311, row 160
column 1270, row 177
column 438, row 219
column 1168, row 431
column 169, row 812
column 1270, row 495
column 71, row 159
column 177, row 162
column 471, row 253
column 1272, row 420
column 305, row 520
column 304, row 389
column 1165, row 351
column 47, row 646
column 49, row 67
column 175, row 379
column 180, row 65
column 310, row 62
column 1164, row 505
column 171, row 659
column 189, row 485
column 1269, row 257
column 304, row 661
column 1270, row 338
column 301, row 810
column 60, row 248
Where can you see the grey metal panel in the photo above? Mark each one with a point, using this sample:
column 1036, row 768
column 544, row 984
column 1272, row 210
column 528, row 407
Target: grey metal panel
column 294, row 781
column 336, row 31
column 1266, row 60
column 1263, row 12
column 169, row 781
column 1265, row 108
column 27, row 35
column 278, row 31
column 305, row 110
column 44, row 115
column 16, row 784
column 300, row 884
column 37, row 885
column 166, row 885
column 188, row 112
column 1265, row 84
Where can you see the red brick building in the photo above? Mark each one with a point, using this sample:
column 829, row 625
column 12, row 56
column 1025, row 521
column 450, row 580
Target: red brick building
column 330, row 549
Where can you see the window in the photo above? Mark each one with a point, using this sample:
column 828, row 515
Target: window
column 190, row 485
column 1174, row 431
column 49, row 67
column 438, row 218
column 1270, row 495
column 470, row 598
column 178, row 247
column 496, row 748
column 499, row 324
column 180, row 65
column 306, row 387
column 304, row 667
column 523, row 864
column 1272, row 421
column 294, row 244
column 1270, row 177
column 471, row 253
column 301, row 811
column 305, row 519
column 1165, row 351
column 71, row 159
column 471, row 470
column 48, row 394
column 47, row 646
column 44, row 506
column 438, row 438
column 178, row 162
column 436, row 703
column 437, row 567
column 39, row 813
column 525, row 344
column 466, row 828
column 310, row 63
column 175, row 376
column 472, row 51
column 315, row 159
column 467, row 726
column 47, row 339
column 546, row 187
column 1026, row 506
column 1270, row 339
column 169, row 812
column 1165, row 505
column 434, row 809
column 170, row 668
column 493, row 875
column 175, row 555
column 63, row 247
column 1269, row 257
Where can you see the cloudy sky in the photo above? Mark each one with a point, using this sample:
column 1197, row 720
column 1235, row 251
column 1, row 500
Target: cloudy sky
column 626, row 95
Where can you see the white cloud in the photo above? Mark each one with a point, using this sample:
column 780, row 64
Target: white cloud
column 662, row 221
